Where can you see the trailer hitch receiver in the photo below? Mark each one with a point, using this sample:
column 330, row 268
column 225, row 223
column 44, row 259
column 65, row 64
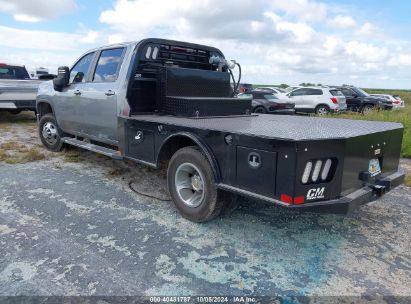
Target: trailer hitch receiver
column 379, row 190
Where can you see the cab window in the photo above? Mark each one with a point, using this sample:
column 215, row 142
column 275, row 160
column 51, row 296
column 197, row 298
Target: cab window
column 108, row 65
column 298, row 92
column 313, row 92
column 79, row 71
column 347, row 92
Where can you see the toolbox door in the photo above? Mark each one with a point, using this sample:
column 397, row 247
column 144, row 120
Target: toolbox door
column 256, row 170
column 140, row 143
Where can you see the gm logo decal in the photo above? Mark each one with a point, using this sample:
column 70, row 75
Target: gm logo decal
column 315, row 193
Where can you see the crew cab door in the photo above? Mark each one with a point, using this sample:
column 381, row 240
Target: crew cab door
column 352, row 99
column 299, row 97
column 99, row 97
column 67, row 103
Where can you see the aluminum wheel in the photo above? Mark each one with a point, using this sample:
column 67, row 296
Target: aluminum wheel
column 50, row 133
column 322, row 111
column 189, row 183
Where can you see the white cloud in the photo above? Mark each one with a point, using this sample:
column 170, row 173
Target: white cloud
column 302, row 10
column 401, row 60
column 35, row 11
column 44, row 40
column 366, row 52
column 275, row 41
column 301, row 33
column 367, row 29
column 342, row 22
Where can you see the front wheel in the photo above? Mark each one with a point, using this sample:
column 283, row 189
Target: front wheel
column 191, row 185
column 50, row 134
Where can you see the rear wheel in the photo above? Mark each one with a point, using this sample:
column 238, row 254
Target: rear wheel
column 50, row 134
column 322, row 110
column 192, row 187
column 260, row 110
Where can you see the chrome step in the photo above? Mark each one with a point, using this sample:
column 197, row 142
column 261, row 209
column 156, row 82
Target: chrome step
column 91, row 147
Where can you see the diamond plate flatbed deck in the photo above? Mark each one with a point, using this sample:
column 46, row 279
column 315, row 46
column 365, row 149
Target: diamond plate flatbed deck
column 284, row 127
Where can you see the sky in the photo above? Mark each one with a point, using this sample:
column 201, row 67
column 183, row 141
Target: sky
column 365, row 43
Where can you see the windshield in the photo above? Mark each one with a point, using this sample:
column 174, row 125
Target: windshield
column 13, row 72
column 360, row 92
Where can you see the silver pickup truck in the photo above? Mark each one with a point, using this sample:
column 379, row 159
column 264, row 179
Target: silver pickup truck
column 17, row 90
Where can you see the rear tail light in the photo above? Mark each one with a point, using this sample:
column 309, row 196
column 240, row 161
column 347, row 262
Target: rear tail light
column 286, row 198
column 326, row 169
column 298, row 200
column 317, row 171
column 396, row 102
column 307, row 172
column 334, row 100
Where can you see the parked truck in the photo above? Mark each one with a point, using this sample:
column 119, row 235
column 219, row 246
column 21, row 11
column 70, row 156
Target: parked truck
column 160, row 100
column 17, row 90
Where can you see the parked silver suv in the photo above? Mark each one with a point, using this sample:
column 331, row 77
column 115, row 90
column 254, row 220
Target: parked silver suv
column 319, row 100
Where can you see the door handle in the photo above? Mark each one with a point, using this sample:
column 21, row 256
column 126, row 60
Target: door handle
column 77, row 92
column 110, row 93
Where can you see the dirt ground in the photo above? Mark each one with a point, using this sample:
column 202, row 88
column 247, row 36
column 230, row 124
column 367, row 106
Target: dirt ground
column 70, row 225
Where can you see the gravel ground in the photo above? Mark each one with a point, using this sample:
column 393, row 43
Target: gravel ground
column 69, row 225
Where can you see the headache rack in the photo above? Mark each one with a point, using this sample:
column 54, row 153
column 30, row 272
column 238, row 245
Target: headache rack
column 178, row 79
column 166, row 54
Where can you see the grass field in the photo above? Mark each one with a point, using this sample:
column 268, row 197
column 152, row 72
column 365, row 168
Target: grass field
column 402, row 116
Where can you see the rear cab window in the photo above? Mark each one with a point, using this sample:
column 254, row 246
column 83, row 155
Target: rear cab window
column 13, row 72
column 108, row 65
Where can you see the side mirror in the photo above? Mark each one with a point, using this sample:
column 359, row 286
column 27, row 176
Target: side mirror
column 62, row 79
column 355, row 96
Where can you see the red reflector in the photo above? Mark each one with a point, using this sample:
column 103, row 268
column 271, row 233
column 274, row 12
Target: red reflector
column 286, row 198
column 334, row 100
column 299, row 200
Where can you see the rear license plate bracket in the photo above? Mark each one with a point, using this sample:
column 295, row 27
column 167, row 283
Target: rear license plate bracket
column 374, row 167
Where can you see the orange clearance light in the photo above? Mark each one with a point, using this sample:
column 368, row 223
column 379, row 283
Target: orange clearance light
column 298, row 200
column 286, row 198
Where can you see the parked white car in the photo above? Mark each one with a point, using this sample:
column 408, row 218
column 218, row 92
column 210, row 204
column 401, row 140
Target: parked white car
column 273, row 90
column 289, row 89
column 319, row 100
column 397, row 102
